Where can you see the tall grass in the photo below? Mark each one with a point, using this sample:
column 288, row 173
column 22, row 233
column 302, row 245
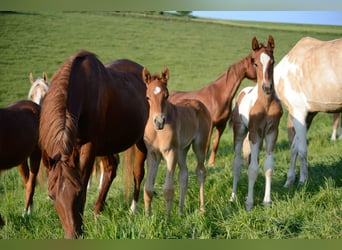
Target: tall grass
column 196, row 52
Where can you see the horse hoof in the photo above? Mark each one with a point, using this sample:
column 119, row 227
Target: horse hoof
column 267, row 204
column 232, row 198
column 249, row 206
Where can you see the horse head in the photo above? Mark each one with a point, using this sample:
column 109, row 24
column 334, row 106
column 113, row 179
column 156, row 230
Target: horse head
column 157, row 95
column 263, row 62
column 39, row 88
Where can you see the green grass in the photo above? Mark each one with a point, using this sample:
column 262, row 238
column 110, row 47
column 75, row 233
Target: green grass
column 196, row 51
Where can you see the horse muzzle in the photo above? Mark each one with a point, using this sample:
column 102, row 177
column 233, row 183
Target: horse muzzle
column 159, row 122
column 267, row 88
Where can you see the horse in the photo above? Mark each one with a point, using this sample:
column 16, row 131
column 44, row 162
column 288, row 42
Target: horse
column 336, row 126
column 39, row 88
column 91, row 110
column 217, row 96
column 257, row 115
column 308, row 80
column 170, row 131
column 19, row 124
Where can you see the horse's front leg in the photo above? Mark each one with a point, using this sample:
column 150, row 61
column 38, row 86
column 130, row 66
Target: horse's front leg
column 171, row 160
column 153, row 160
column 217, row 136
column 86, row 163
column 253, row 170
column 270, row 138
column 110, row 164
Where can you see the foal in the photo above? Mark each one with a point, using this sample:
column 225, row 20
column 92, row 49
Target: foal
column 257, row 112
column 170, row 131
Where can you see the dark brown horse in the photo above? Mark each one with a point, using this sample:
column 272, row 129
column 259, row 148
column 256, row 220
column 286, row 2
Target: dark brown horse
column 90, row 110
column 19, row 124
column 217, row 96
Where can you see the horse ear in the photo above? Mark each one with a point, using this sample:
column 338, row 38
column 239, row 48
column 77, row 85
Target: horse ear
column 31, row 78
column 45, row 77
column 270, row 42
column 146, row 76
column 165, row 74
column 255, row 44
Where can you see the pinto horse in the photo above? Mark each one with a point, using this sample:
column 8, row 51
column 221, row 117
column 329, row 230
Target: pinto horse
column 257, row 113
column 308, row 80
column 218, row 95
column 170, row 131
column 19, row 124
column 90, row 110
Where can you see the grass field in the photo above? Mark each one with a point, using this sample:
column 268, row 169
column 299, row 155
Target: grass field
column 196, row 52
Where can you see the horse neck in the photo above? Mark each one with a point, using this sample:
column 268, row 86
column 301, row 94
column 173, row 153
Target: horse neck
column 233, row 77
column 264, row 98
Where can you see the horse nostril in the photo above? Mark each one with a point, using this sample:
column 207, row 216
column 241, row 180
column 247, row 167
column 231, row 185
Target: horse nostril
column 51, row 196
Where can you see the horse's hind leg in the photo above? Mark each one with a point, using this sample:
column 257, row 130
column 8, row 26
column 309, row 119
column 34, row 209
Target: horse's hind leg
column 30, row 184
column 138, row 173
column 110, row 164
column 182, row 178
column 200, row 172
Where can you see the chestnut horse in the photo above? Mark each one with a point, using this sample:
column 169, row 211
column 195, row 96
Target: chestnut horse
column 170, row 131
column 218, row 95
column 90, row 110
column 39, row 88
column 308, row 80
column 257, row 113
column 19, row 124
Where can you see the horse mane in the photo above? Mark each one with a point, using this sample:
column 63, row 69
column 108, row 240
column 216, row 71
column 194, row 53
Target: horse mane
column 58, row 135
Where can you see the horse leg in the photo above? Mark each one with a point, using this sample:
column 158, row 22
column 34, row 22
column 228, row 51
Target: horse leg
column 183, row 176
column 35, row 158
column 217, row 136
column 335, row 126
column 153, row 160
column 169, row 190
column 109, row 164
column 199, row 150
column 86, row 164
column 253, row 170
column 298, row 148
column 138, row 172
column 240, row 132
column 270, row 139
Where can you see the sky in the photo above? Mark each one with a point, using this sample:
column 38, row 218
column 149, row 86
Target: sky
column 299, row 17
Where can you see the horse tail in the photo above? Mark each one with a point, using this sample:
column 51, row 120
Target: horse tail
column 127, row 170
column 246, row 150
column 58, row 121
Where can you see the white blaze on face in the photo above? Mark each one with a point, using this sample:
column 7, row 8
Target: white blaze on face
column 157, row 90
column 264, row 58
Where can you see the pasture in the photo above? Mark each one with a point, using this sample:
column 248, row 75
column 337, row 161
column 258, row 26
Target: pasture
column 196, row 53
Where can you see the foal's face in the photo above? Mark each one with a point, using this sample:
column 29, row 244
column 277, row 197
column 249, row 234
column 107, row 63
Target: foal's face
column 263, row 62
column 157, row 94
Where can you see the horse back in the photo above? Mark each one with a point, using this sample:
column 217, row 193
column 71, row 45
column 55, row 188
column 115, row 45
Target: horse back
column 19, row 131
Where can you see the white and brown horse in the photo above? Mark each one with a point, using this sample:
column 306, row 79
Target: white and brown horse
column 308, row 80
column 39, row 88
column 170, row 131
column 257, row 114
